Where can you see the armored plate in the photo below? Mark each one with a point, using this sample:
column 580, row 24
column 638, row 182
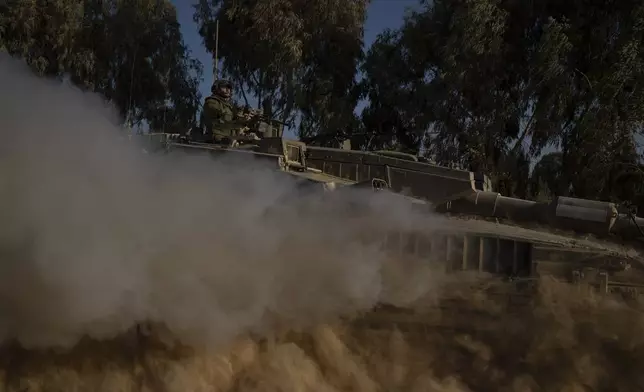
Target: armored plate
column 575, row 240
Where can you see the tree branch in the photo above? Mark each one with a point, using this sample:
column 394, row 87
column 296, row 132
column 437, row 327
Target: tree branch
column 244, row 94
column 526, row 132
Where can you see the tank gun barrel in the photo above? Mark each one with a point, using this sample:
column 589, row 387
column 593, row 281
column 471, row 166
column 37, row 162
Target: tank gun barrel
column 590, row 216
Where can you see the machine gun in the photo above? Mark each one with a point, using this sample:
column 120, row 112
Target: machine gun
column 261, row 124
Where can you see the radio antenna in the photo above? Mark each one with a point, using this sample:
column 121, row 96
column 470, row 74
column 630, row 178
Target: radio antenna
column 216, row 70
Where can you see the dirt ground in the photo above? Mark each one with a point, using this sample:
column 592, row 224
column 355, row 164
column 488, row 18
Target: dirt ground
column 565, row 341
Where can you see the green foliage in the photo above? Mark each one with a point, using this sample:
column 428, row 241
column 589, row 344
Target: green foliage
column 490, row 84
column 131, row 51
column 297, row 57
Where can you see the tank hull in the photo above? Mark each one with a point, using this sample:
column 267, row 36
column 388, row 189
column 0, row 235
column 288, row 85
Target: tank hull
column 507, row 245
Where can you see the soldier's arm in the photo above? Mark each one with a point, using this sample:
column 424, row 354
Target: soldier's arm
column 240, row 115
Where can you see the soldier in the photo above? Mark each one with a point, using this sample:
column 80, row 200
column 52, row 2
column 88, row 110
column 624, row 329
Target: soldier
column 223, row 122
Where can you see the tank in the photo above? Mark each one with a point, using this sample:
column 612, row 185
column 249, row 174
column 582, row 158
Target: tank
column 510, row 243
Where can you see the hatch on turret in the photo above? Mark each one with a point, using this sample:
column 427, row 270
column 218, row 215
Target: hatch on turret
column 292, row 151
column 270, row 129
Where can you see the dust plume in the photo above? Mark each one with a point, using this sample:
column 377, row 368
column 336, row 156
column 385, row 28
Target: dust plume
column 98, row 236
column 246, row 282
column 566, row 341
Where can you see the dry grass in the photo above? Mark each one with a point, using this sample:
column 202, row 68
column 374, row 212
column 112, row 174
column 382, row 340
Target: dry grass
column 563, row 342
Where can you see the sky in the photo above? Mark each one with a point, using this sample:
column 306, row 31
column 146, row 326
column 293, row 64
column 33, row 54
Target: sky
column 382, row 14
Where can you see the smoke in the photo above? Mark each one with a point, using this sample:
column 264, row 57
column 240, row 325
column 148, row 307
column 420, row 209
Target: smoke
column 97, row 236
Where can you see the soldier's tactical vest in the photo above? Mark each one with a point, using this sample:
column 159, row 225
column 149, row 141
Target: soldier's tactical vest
column 223, row 124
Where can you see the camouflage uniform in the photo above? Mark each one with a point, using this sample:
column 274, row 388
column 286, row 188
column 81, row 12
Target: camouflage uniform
column 219, row 116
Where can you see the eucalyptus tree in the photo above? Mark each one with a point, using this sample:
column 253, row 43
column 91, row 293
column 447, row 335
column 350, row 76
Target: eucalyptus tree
column 297, row 57
column 491, row 83
column 131, row 51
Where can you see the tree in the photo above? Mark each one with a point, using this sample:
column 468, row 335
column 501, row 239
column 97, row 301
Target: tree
column 483, row 83
column 42, row 32
column 131, row 51
column 297, row 57
column 394, row 118
column 545, row 179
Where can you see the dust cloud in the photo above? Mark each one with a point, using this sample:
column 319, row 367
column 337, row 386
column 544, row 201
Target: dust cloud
column 126, row 271
column 98, row 236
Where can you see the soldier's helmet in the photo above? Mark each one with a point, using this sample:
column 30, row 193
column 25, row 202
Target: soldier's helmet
column 222, row 83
